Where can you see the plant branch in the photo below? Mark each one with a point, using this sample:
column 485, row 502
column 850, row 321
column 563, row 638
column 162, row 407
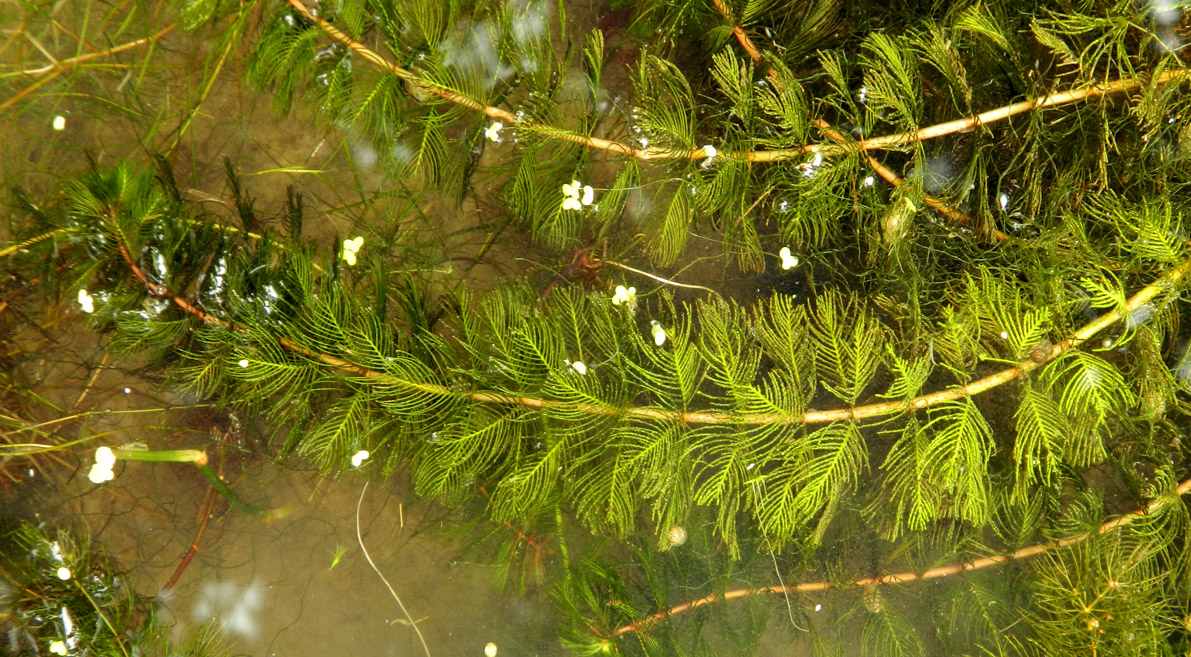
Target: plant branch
column 68, row 63
column 488, row 110
column 854, row 414
column 205, row 510
column 1001, row 113
column 885, row 172
column 663, row 281
column 56, row 68
column 900, row 578
column 959, row 125
column 655, row 153
column 889, row 176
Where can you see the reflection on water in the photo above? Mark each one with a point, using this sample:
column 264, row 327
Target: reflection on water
column 233, row 607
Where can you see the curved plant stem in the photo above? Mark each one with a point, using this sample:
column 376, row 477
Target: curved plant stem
column 899, row 578
column 13, row 248
column 62, row 64
column 663, row 281
column 232, row 499
column 368, row 557
column 205, row 510
column 887, row 174
column 653, row 153
column 855, row 414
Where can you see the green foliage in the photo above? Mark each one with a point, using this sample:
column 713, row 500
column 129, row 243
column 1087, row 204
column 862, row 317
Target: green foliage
column 974, row 359
column 66, row 592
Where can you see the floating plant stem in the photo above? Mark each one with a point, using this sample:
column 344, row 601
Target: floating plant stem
column 234, row 500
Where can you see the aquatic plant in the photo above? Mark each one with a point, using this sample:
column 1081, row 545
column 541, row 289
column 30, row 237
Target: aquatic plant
column 978, row 359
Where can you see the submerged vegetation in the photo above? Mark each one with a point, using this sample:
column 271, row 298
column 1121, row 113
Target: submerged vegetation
column 850, row 302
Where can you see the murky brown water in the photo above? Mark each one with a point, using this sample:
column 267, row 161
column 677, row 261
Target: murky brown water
column 301, row 585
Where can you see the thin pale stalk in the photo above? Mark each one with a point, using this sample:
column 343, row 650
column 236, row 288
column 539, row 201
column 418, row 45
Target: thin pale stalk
column 663, row 281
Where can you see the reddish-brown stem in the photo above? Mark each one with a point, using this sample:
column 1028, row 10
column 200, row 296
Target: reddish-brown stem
column 900, row 578
column 741, row 36
column 205, row 509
